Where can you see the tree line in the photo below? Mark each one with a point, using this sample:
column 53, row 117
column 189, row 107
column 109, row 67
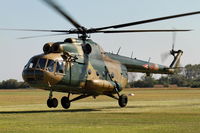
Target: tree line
column 13, row 84
column 189, row 76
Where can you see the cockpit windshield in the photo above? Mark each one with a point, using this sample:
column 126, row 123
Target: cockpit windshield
column 41, row 63
column 46, row 64
column 32, row 63
column 36, row 63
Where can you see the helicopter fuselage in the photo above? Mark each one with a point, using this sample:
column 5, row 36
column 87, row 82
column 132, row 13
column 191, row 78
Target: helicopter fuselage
column 78, row 67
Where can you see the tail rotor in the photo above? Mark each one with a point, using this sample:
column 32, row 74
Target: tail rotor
column 172, row 52
column 165, row 56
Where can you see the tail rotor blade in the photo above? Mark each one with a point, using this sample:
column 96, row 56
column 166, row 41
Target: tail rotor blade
column 173, row 40
column 164, row 56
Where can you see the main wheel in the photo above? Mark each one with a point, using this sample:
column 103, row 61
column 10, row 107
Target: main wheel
column 65, row 102
column 54, row 102
column 123, row 100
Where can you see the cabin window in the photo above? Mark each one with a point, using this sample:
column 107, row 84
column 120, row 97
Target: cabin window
column 89, row 71
column 50, row 65
column 41, row 63
column 104, row 74
column 112, row 75
column 59, row 67
column 97, row 73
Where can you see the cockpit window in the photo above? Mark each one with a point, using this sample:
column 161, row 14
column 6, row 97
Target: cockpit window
column 41, row 63
column 59, row 67
column 50, row 65
column 32, row 63
column 46, row 64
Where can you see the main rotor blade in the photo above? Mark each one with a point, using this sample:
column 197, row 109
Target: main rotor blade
column 63, row 13
column 128, row 31
column 35, row 30
column 29, row 37
column 146, row 21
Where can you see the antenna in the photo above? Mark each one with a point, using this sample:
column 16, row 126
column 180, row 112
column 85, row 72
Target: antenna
column 149, row 62
column 132, row 54
column 118, row 50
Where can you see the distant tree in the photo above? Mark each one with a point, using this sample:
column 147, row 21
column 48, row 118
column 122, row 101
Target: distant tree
column 132, row 76
column 192, row 71
column 0, row 85
column 163, row 80
column 195, row 84
column 179, row 80
column 144, row 82
column 12, row 84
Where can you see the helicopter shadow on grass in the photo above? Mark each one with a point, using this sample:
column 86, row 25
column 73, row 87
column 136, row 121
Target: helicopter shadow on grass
column 62, row 110
column 49, row 111
column 142, row 106
column 92, row 110
column 164, row 106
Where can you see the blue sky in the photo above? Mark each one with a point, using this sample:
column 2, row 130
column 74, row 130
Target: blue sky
column 15, row 53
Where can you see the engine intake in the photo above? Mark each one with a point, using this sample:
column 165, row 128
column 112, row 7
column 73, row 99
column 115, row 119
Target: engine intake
column 47, row 48
column 56, row 48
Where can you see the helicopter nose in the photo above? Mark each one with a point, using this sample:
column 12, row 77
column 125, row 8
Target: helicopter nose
column 41, row 72
column 32, row 76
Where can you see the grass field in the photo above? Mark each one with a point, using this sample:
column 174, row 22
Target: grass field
column 149, row 111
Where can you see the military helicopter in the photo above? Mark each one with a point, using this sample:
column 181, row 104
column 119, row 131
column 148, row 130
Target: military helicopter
column 80, row 66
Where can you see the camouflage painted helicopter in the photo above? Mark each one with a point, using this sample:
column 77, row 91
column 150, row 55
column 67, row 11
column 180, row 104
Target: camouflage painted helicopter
column 80, row 66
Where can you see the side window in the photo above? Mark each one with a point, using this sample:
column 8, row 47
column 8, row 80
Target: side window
column 59, row 67
column 50, row 65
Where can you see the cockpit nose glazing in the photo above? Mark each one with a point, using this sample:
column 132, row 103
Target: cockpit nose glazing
column 37, row 68
column 40, row 63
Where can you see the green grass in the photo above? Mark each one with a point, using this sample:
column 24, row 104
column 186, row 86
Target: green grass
column 149, row 111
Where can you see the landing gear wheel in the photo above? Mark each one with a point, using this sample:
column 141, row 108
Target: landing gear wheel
column 49, row 103
column 123, row 100
column 52, row 103
column 65, row 102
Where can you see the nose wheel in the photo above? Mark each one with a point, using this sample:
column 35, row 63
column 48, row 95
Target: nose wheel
column 52, row 102
column 65, row 101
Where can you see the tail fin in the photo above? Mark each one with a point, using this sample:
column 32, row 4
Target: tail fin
column 177, row 56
